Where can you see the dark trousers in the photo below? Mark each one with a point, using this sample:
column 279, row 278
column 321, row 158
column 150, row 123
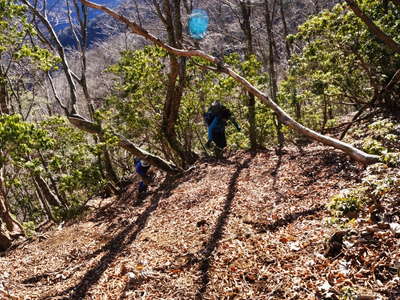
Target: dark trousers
column 216, row 132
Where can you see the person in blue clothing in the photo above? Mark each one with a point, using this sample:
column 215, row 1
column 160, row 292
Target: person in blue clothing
column 216, row 119
column 142, row 167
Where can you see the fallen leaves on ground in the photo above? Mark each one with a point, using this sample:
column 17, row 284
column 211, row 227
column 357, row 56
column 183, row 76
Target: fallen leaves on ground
column 252, row 226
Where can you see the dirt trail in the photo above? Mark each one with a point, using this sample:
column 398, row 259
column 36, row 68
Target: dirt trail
column 248, row 227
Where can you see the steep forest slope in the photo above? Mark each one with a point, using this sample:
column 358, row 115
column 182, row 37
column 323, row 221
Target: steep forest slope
column 251, row 226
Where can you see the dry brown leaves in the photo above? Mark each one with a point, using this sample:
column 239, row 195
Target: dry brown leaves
column 248, row 227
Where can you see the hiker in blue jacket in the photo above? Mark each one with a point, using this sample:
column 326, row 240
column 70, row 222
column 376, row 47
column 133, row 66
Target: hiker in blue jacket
column 216, row 119
column 141, row 167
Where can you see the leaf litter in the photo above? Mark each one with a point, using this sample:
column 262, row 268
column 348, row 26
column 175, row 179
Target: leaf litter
column 252, row 226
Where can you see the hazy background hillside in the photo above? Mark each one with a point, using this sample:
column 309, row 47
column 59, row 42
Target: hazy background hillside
column 58, row 15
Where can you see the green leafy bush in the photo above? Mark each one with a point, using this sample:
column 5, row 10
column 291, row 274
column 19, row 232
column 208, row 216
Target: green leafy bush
column 347, row 203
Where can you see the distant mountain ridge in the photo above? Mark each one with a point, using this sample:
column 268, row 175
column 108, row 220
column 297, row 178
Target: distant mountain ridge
column 57, row 11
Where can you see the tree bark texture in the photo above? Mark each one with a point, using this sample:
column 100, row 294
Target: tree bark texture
column 8, row 224
column 176, row 79
column 353, row 152
column 3, row 97
column 245, row 24
column 45, row 190
column 272, row 71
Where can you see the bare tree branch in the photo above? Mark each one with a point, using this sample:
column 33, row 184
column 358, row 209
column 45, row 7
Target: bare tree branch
column 60, row 50
column 55, row 93
column 123, row 142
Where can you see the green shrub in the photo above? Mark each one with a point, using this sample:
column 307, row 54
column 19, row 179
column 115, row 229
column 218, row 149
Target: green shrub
column 348, row 203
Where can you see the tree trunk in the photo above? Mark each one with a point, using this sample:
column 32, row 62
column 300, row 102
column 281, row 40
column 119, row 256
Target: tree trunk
column 50, row 197
column 171, row 108
column 60, row 196
column 108, row 166
column 43, row 201
column 3, row 96
column 325, row 113
column 176, row 79
column 12, row 226
column 285, row 31
column 272, row 72
column 245, row 7
column 82, row 16
column 5, row 239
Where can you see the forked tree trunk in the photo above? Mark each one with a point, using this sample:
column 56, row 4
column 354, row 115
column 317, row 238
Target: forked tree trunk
column 43, row 201
column 45, row 190
column 176, row 78
column 60, row 196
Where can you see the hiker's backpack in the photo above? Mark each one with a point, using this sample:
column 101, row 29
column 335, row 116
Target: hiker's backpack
column 216, row 110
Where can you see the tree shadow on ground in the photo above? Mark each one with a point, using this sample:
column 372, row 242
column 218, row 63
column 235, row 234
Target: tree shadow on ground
column 328, row 164
column 113, row 249
column 274, row 173
column 286, row 220
column 212, row 243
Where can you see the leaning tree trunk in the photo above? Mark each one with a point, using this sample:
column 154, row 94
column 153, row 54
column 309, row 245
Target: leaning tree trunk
column 45, row 190
column 353, row 152
column 390, row 43
column 43, row 201
column 123, row 142
column 60, row 196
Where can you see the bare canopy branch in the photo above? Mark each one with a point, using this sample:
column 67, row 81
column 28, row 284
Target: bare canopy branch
column 282, row 115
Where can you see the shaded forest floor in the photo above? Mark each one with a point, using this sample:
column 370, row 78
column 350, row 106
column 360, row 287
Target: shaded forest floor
column 252, row 226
